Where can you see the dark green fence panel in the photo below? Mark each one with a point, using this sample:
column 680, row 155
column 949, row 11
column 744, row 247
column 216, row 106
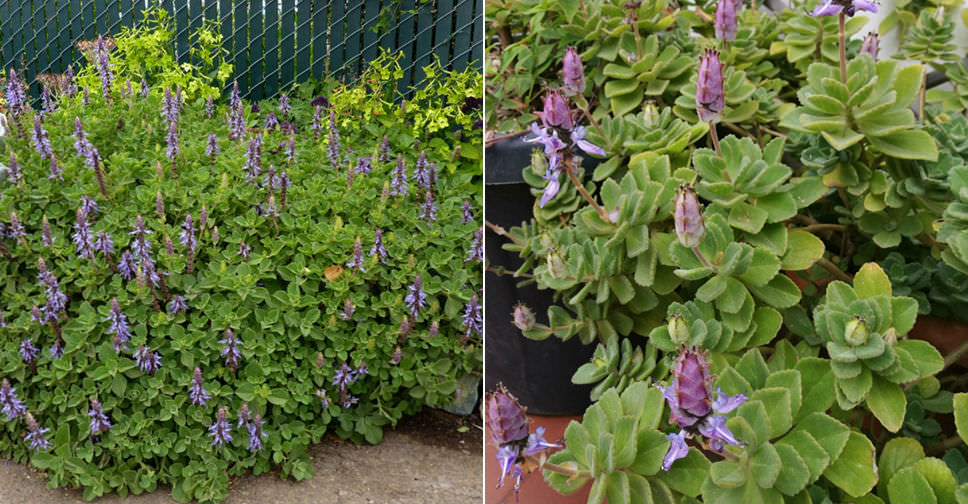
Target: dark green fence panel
column 271, row 43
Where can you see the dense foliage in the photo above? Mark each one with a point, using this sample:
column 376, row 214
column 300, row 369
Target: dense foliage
column 192, row 290
column 768, row 282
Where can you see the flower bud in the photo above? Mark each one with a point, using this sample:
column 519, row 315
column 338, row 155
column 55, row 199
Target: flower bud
column 678, row 329
column 556, row 113
column 692, row 384
column 557, row 266
column 522, row 317
column 855, row 332
column 506, row 418
column 573, row 73
column 870, row 45
column 710, row 100
column 688, row 218
column 726, row 20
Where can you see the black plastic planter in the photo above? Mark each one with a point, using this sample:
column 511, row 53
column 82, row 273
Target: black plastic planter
column 537, row 372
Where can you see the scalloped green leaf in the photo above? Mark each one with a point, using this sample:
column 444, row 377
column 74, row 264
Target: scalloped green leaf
column 854, row 470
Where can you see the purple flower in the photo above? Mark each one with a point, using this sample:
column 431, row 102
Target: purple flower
column 710, row 100
column 15, row 94
column 56, row 301
column 144, row 88
column 88, row 205
column 318, row 122
column 35, row 435
column 255, row 433
column 99, row 421
column 55, row 170
column 271, row 121
column 416, row 298
column 429, row 208
column 364, row 165
column 473, row 318
column 119, row 326
column 244, row 251
column 148, row 361
column 556, row 113
column 508, row 425
column 140, row 246
column 28, row 352
column 321, row 394
column 71, row 90
column 209, row 107
column 237, row 122
column 348, row 310
column 284, row 105
column 345, row 376
column 86, row 97
column 725, row 24
column 291, row 150
column 82, row 237
column 398, row 186
column 688, row 218
column 46, row 237
column 16, row 230
column 244, row 416
column 385, row 149
column 253, row 159
column 476, row 252
column 16, row 175
column 850, row 7
column 47, row 104
column 333, row 146
column 578, row 138
column 12, row 406
column 677, row 446
column 104, row 244
column 41, row 140
column 231, row 350
column 573, row 73
column 357, row 260
column 84, row 147
column 397, row 355
column 104, row 67
column 56, row 350
column 235, row 100
column 212, row 148
column 421, row 174
column 220, row 431
column 321, row 101
column 196, row 391
column 126, row 266
column 468, row 215
column 714, row 428
column 870, row 45
column 177, row 305
column 172, row 140
column 378, row 246
column 169, row 107
column 187, row 235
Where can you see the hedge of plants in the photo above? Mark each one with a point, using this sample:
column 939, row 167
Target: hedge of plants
column 194, row 286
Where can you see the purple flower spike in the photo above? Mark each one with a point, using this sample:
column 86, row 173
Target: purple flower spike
column 318, row 122
column 209, row 107
column 119, row 326
column 41, row 140
column 323, row 398
column 688, row 218
column 177, row 305
column 88, row 205
column 16, row 230
column 144, row 88
column 399, row 186
column 348, row 309
column 13, row 408
column 56, row 350
column 677, row 447
column 364, row 165
column 556, row 113
column 35, row 435
column 272, row 121
column 468, row 215
column 710, row 100
column 357, row 260
column 71, row 90
column 476, row 252
column 429, row 209
column 104, row 244
column 56, row 301
column 256, row 435
column 28, row 352
column 850, row 7
column 196, row 391
column 244, row 251
column 148, row 361
column 46, row 237
column 82, row 237
column 244, row 415
column 56, row 173
column 284, row 105
column 231, row 350
column 47, row 103
column 169, row 107
column 16, row 175
column 104, row 67
column 725, row 23
column 99, row 421
column 421, row 174
column 416, row 298
column 870, row 45
column 172, row 140
column 385, row 149
column 508, row 426
column 126, row 266
column 220, row 431
column 253, row 159
column 378, row 246
column 473, row 318
column 333, row 147
column 573, row 73
column 15, row 94
column 237, row 123
column 235, row 100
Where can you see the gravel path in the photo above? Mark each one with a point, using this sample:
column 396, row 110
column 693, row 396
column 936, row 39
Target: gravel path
column 426, row 459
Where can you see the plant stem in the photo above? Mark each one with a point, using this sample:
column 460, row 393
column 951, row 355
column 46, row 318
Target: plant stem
column 843, row 46
column 832, row 268
column 705, row 262
column 715, row 137
column 501, row 232
column 944, row 446
column 738, row 130
column 548, row 466
column 823, row 227
column 922, row 93
column 584, row 194
column 492, row 141
column 955, row 354
column 598, row 128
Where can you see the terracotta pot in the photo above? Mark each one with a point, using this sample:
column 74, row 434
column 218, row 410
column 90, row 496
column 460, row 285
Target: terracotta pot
column 533, row 489
column 945, row 334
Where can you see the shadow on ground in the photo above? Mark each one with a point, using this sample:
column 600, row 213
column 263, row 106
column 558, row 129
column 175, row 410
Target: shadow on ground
column 425, row 459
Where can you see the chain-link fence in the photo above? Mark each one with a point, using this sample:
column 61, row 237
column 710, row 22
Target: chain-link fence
column 272, row 43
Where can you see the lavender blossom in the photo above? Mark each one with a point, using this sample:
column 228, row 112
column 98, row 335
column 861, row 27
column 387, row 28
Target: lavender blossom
column 47, row 239
column 421, row 174
column 220, row 431
column 212, row 148
column 870, row 45
column 397, row 355
column 86, row 97
column 364, row 165
column 35, row 435
column 688, row 218
column 476, row 252
column 253, row 159
column 385, row 149
column 187, row 238
column 196, row 391
column 323, row 398
column 333, row 147
column 850, row 7
column 378, row 246
column 126, row 266
column 256, row 435
column 231, row 350
column 16, row 175
column 725, row 23
column 710, row 99
column 140, row 246
column 508, row 425
column 291, row 150
column 148, row 361
column 172, row 140
column 473, row 318
column 104, row 67
column 47, row 104
column 84, row 147
column 556, row 113
column 13, row 408
column 104, row 244
column 209, row 107
column 398, row 186
column 56, row 173
column 244, row 415
column 41, row 139
column 429, row 208
column 416, row 298
column 272, row 121
column 15, row 94
column 56, row 350
column 235, row 100
column 317, row 122
column 56, row 301
column 348, row 309
column 144, row 88
column 244, row 251
column 468, row 215
column 16, row 230
column 28, row 352
column 119, row 326
column 71, row 90
column 237, row 123
column 573, row 73
column 88, row 205
column 99, row 421
column 284, row 105
column 169, row 107
column 342, row 379
column 177, row 305
column 357, row 260
column 82, row 237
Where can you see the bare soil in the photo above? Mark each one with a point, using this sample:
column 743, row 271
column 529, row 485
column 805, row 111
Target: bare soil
column 431, row 457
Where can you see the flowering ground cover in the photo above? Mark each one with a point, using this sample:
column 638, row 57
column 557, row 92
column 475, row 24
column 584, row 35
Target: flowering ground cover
column 195, row 286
